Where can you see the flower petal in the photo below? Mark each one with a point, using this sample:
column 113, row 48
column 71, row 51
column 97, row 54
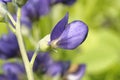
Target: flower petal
column 8, row 45
column 54, row 69
column 15, row 68
column 59, row 28
column 74, row 34
column 77, row 75
column 44, row 7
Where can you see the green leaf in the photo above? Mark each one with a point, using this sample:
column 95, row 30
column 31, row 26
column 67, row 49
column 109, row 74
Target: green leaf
column 100, row 51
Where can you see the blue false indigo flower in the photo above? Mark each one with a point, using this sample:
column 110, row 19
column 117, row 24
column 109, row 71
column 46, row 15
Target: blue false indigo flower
column 8, row 46
column 58, row 68
column 8, row 77
column 5, row 1
column 78, row 74
column 2, row 77
column 68, row 36
column 13, row 71
column 33, row 9
column 13, row 67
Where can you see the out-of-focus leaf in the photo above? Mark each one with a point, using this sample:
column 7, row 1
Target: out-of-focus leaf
column 3, row 29
column 100, row 51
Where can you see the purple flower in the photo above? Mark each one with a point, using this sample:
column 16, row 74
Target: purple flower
column 33, row 9
column 68, row 36
column 13, row 70
column 2, row 77
column 78, row 74
column 8, row 46
column 57, row 68
column 62, row 69
column 5, row 1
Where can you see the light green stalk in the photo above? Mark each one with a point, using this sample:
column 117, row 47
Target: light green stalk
column 28, row 67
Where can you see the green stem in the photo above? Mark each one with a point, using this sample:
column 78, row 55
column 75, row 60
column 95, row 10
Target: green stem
column 11, row 18
column 28, row 67
column 34, row 56
column 11, row 27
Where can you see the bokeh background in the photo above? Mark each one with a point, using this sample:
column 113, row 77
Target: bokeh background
column 101, row 50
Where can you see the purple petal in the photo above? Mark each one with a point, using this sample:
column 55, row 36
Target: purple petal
column 29, row 11
column 54, row 69
column 59, row 28
column 58, row 68
column 8, row 45
column 14, row 68
column 44, row 7
column 5, row 1
column 2, row 77
column 26, row 22
column 74, row 34
column 77, row 75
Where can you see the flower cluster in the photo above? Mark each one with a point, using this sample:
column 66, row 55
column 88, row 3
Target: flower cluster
column 46, row 65
column 34, row 9
column 64, row 35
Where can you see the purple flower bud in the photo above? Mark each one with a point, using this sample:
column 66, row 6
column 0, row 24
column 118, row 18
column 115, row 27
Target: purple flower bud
column 8, row 45
column 68, row 36
column 78, row 74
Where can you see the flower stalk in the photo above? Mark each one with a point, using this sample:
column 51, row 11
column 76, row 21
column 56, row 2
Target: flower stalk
column 28, row 67
column 34, row 56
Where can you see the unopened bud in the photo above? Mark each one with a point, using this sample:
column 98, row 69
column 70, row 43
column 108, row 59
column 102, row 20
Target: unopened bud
column 20, row 3
column 43, row 43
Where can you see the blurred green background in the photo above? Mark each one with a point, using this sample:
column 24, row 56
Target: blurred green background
column 101, row 50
